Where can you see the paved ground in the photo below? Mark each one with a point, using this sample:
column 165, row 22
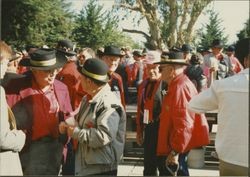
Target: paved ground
column 137, row 170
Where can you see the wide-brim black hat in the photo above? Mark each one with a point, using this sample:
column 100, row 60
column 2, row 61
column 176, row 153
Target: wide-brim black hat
column 44, row 59
column 138, row 53
column 217, row 43
column 95, row 69
column 176, row 58
column 66, row 47
column 113, row 51
column 186, row 48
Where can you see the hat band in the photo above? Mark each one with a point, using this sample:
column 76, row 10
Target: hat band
column 173, row 60
column 94, row 76
column 43, row 63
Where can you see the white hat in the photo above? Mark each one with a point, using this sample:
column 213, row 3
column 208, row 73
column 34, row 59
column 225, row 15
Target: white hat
column 152, row 57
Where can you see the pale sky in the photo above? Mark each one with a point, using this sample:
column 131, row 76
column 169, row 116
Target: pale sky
column 233, row 13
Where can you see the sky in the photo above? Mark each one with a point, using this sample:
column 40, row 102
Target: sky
column 233, row 13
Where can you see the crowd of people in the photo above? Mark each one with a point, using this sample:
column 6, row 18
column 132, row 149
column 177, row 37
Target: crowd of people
column 63, row 109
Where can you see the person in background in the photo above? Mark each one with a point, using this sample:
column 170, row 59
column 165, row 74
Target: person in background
column 218, row 63
column 232, row 137
column 12, row 70
column 39, row 102
column 11, row 139
column 180, row 130
column 236, row 66
column 187, row 51
column 150, row 95
column 70, row 76
column 101, row 124
column 112, row 56
column 99, row 52
column 135, row 71
column 128, row 58
column 84, row 54
column 195, row 72
column 121, row 70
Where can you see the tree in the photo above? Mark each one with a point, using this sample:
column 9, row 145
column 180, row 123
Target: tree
column 35, row 22
column 212, row 30
column 245, row 32
column 169, row 21
column 95, row 28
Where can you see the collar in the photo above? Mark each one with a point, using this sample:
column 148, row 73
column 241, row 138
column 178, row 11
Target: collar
column 104, row 89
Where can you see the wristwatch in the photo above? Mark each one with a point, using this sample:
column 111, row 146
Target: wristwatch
column 174, row 153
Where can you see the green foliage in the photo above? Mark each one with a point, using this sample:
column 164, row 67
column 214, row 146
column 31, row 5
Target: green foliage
column 212, row 31
column 245, row 32
column 35, row 22
column 95, row 28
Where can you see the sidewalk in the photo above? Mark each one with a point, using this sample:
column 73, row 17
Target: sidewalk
column 136, row 169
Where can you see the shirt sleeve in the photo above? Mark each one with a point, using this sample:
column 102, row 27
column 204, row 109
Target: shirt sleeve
column 9, row 139
column 205, row 101
column 104, row 132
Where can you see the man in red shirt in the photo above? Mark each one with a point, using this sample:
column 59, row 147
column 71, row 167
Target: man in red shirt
column 69, row 74
column 150, row 95
column 39, row 102
column 180, row 130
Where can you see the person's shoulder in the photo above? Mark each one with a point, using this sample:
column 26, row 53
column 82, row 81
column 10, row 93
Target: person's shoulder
column 17, row 84
column 60, row 85
column 110, row 98
column 116, row 76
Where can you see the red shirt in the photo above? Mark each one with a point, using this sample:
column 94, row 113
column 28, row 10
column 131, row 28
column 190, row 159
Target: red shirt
column 45, row 112
column 237, row 67
column 180, row 129
column 70, row 76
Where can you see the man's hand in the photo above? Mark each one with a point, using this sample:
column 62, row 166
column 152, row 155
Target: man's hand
column 139, row 139
column 63, row 127
column 70, row 130
column 172, row 159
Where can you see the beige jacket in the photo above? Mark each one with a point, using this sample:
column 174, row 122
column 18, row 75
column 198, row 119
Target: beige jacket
column 100, row 132
column 11, row 142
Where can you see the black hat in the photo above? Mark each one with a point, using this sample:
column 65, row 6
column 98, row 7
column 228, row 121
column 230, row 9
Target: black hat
column 186, row 48
column 196, row 59
column 44, row 59
column 172, row 58
column 138, row 53
column 113, row 51
column 217, row 43
column 66, row 47
column 96, row 69
column 230, row 48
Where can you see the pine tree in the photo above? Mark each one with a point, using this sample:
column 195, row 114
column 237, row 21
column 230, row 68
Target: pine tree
column 95, row 28
column 35, row 22
column 245, row 32
column 212, row 30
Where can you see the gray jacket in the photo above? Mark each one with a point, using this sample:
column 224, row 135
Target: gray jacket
column 100, row 133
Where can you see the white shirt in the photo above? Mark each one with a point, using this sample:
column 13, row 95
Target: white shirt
column 231, row 97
